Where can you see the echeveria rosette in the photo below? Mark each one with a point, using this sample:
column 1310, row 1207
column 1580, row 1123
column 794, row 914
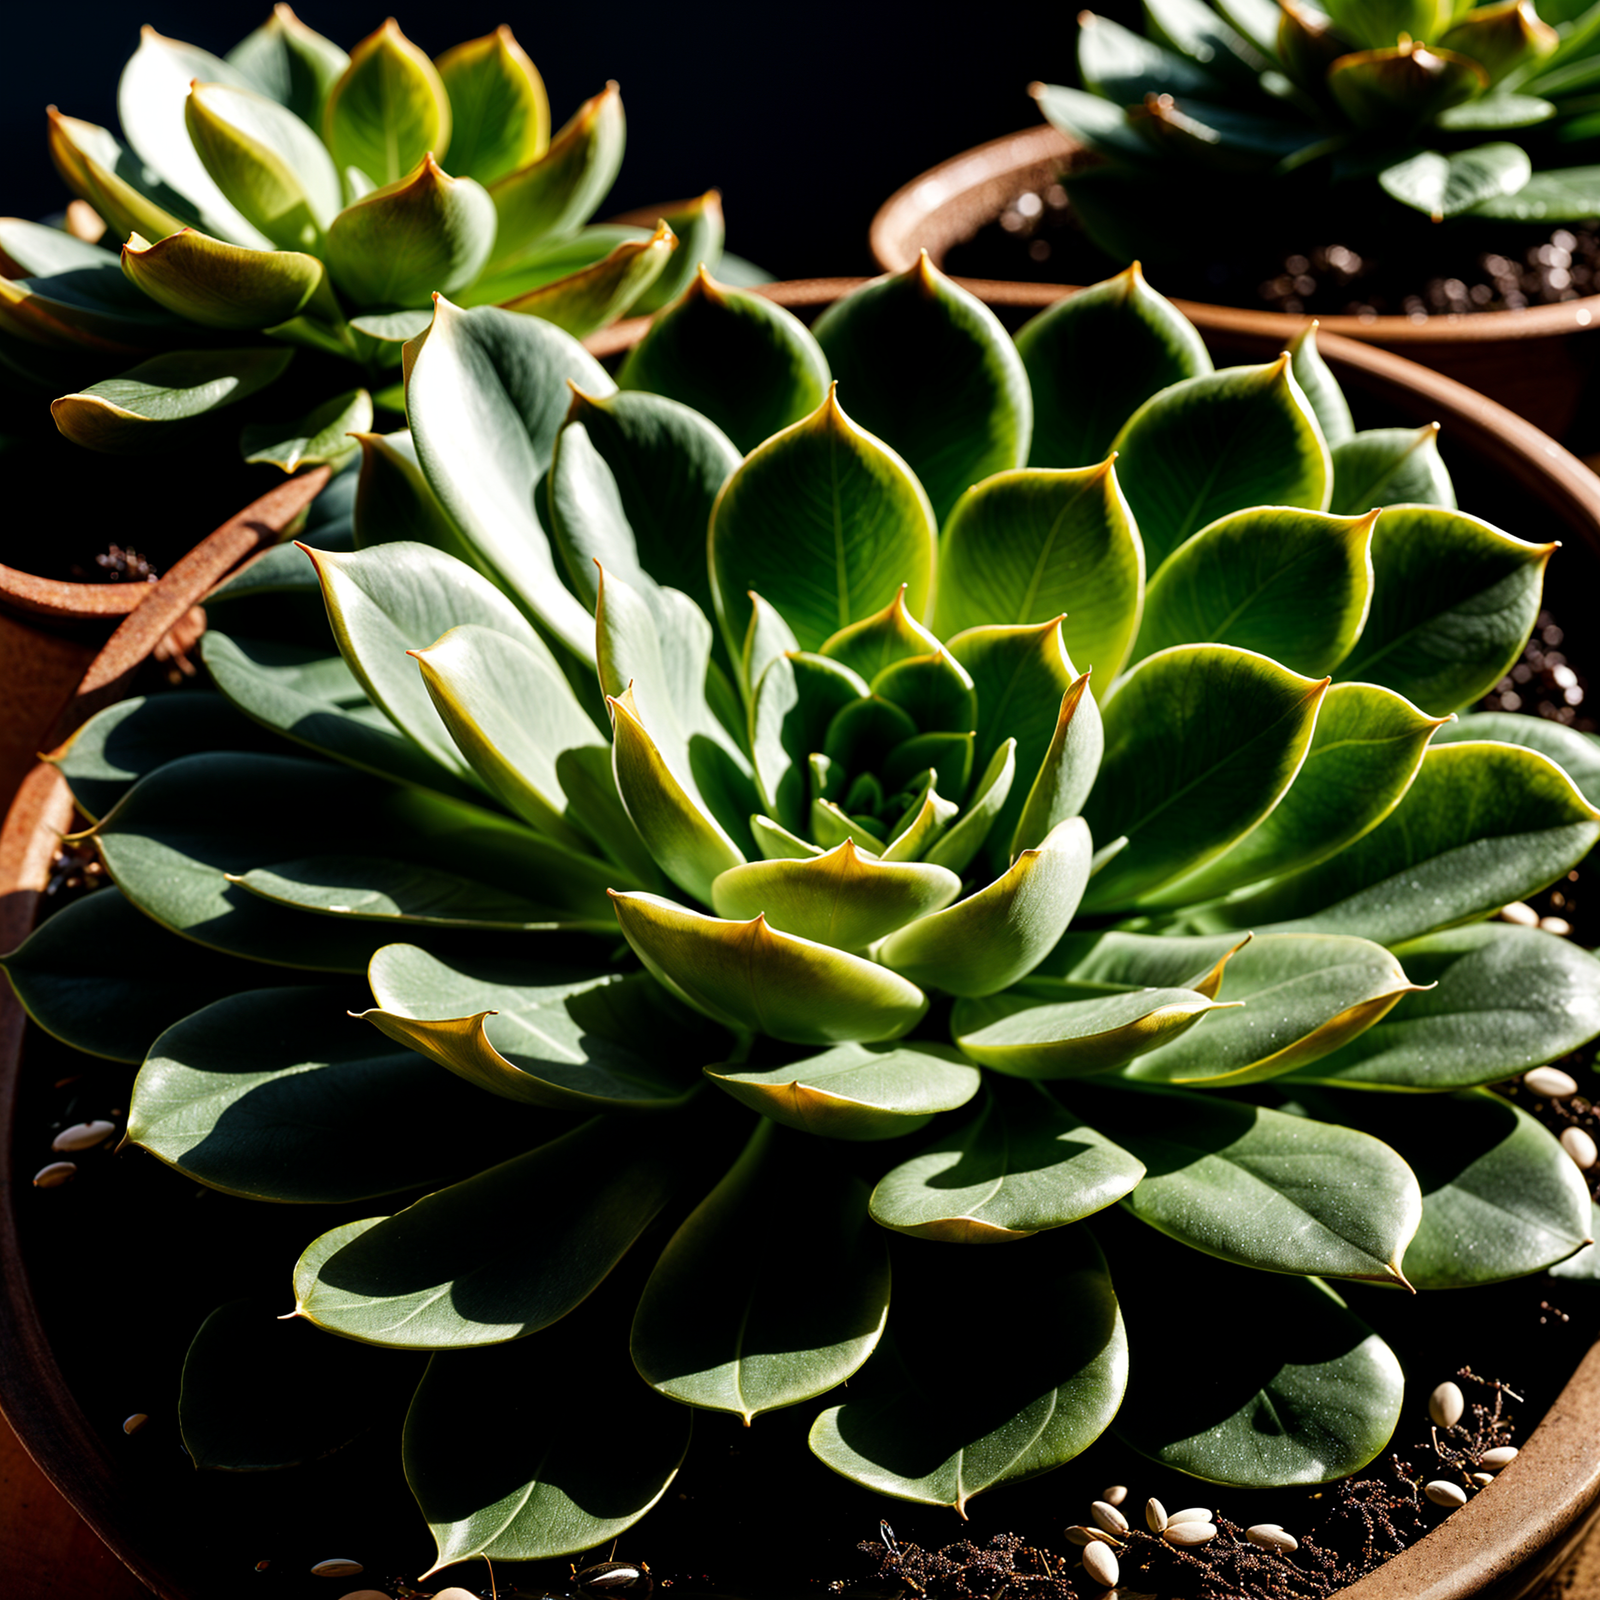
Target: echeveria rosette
column 289, row 198
column 979, row 783
column 1266, row 119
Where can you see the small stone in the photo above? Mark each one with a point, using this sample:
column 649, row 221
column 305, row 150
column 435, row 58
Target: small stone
column 1559, row 926
column 1446, row 1494
column 1446, row 1405
column 134, row 1423
column 1189, row 1533
column 455, row 1592
column 56, row 1174
column 1115, row 1495
column 1101, row 1564
column 365, row 1594
column 1109, row 1518
column 1270, row 1536
column 83, row 1135
column 336, row 1567
column 1482, row 1480
column 1580, row 1146
column 1191, row 1514
column 1550, row 1081
column 1500, row 1457
column 1520, row 913
column 1155, row 1515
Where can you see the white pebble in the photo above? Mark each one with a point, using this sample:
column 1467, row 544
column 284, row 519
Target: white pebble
column 1191, row 1514
column 134, row 1423
column 1446, row 1405
column 1580, row 1147
column 456, row 1592
column 1115, row 1495
column 1482, row 1479
column 83, row 1136
column 1444, row 1493
column 1187, row 1533
column 56, row 1174
column 1269, row 1536
column 336, row 1567
column 1101, row 1564
column 1521, row 913
column 1155, row 1515
column 1559, row 926
column 1501, row 1456
column 1109, row 1517
column 1550, row 1081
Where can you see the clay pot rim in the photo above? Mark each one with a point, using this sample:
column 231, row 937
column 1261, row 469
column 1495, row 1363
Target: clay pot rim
column 899, row 218
column 1511, row 1539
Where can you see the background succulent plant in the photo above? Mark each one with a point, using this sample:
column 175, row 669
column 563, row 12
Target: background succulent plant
column 929, row 942
column 288, row 202
column 1378, row 110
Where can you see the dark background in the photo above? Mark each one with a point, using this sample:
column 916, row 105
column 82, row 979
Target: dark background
column 806, row 118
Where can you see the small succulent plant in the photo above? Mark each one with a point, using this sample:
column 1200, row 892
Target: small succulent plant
column 1032, row 810
column 289, row 200
column 1246, row 116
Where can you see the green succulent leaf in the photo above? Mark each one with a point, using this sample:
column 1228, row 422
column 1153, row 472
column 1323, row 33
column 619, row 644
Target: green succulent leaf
column 1401, row 86
column 1577, row 754
column 1390, row 467
column 394, row 504
column 259, row 1394
column 1565, row 194
column 1304, row 1391
column 1376, row 24
column 956, row 1401
column 1292, row 585
column 928, row 368
column 1496, row 113
column 987, row 941
column 748, row 365
column 276, row 1094
column 827, row 524
column 1365, row 750
column 385, row 602
column 149, row 406
column 1123, row 67
column 152, row 101
column 856, row 1091
column 425, row 233
column 1321, row 388
column 546, row 1036
column 267, row 161
column 311, row 696
column 144, row 978
column 1219, row 443
column 499, row 113
column 486, row 396
column 1454, row 600
column 550, row 197
column 960, row 842
column 1504, row 999
column 1201, row 743
column 794, row 703
column 1022, row 1165
column 699, row 225
column 389, row 109
column 549, row 1483
column 121, row 189
column 749, row 976
column 444, row 1274
column 222, row 285
column 321, row 436
column 1500, row 1197
column 587, row 300
column 291, row 63
column 1028, row 547
column 727, row 1324
column 632, row 483
column 1443, row 186
column 1133, row 343
column 1481, row 825
column 1105, row 128
column 1304, row 996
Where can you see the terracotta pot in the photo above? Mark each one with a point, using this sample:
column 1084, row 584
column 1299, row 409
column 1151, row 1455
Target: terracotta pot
column 1536, row 362
column 66, row 649
column 1501, row 1545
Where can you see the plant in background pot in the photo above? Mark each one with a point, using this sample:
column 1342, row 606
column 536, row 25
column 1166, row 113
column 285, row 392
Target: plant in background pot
column 1056, row 863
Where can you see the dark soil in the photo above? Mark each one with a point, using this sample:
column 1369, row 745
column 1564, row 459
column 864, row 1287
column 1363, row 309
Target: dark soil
column 1037, row 238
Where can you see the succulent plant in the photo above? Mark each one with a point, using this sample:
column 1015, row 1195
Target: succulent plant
column 288, row 202
column 1032, row 811
column 1244, row 116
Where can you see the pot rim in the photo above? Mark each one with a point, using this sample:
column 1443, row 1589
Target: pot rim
column 902, row 224
column 1499, row 1545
